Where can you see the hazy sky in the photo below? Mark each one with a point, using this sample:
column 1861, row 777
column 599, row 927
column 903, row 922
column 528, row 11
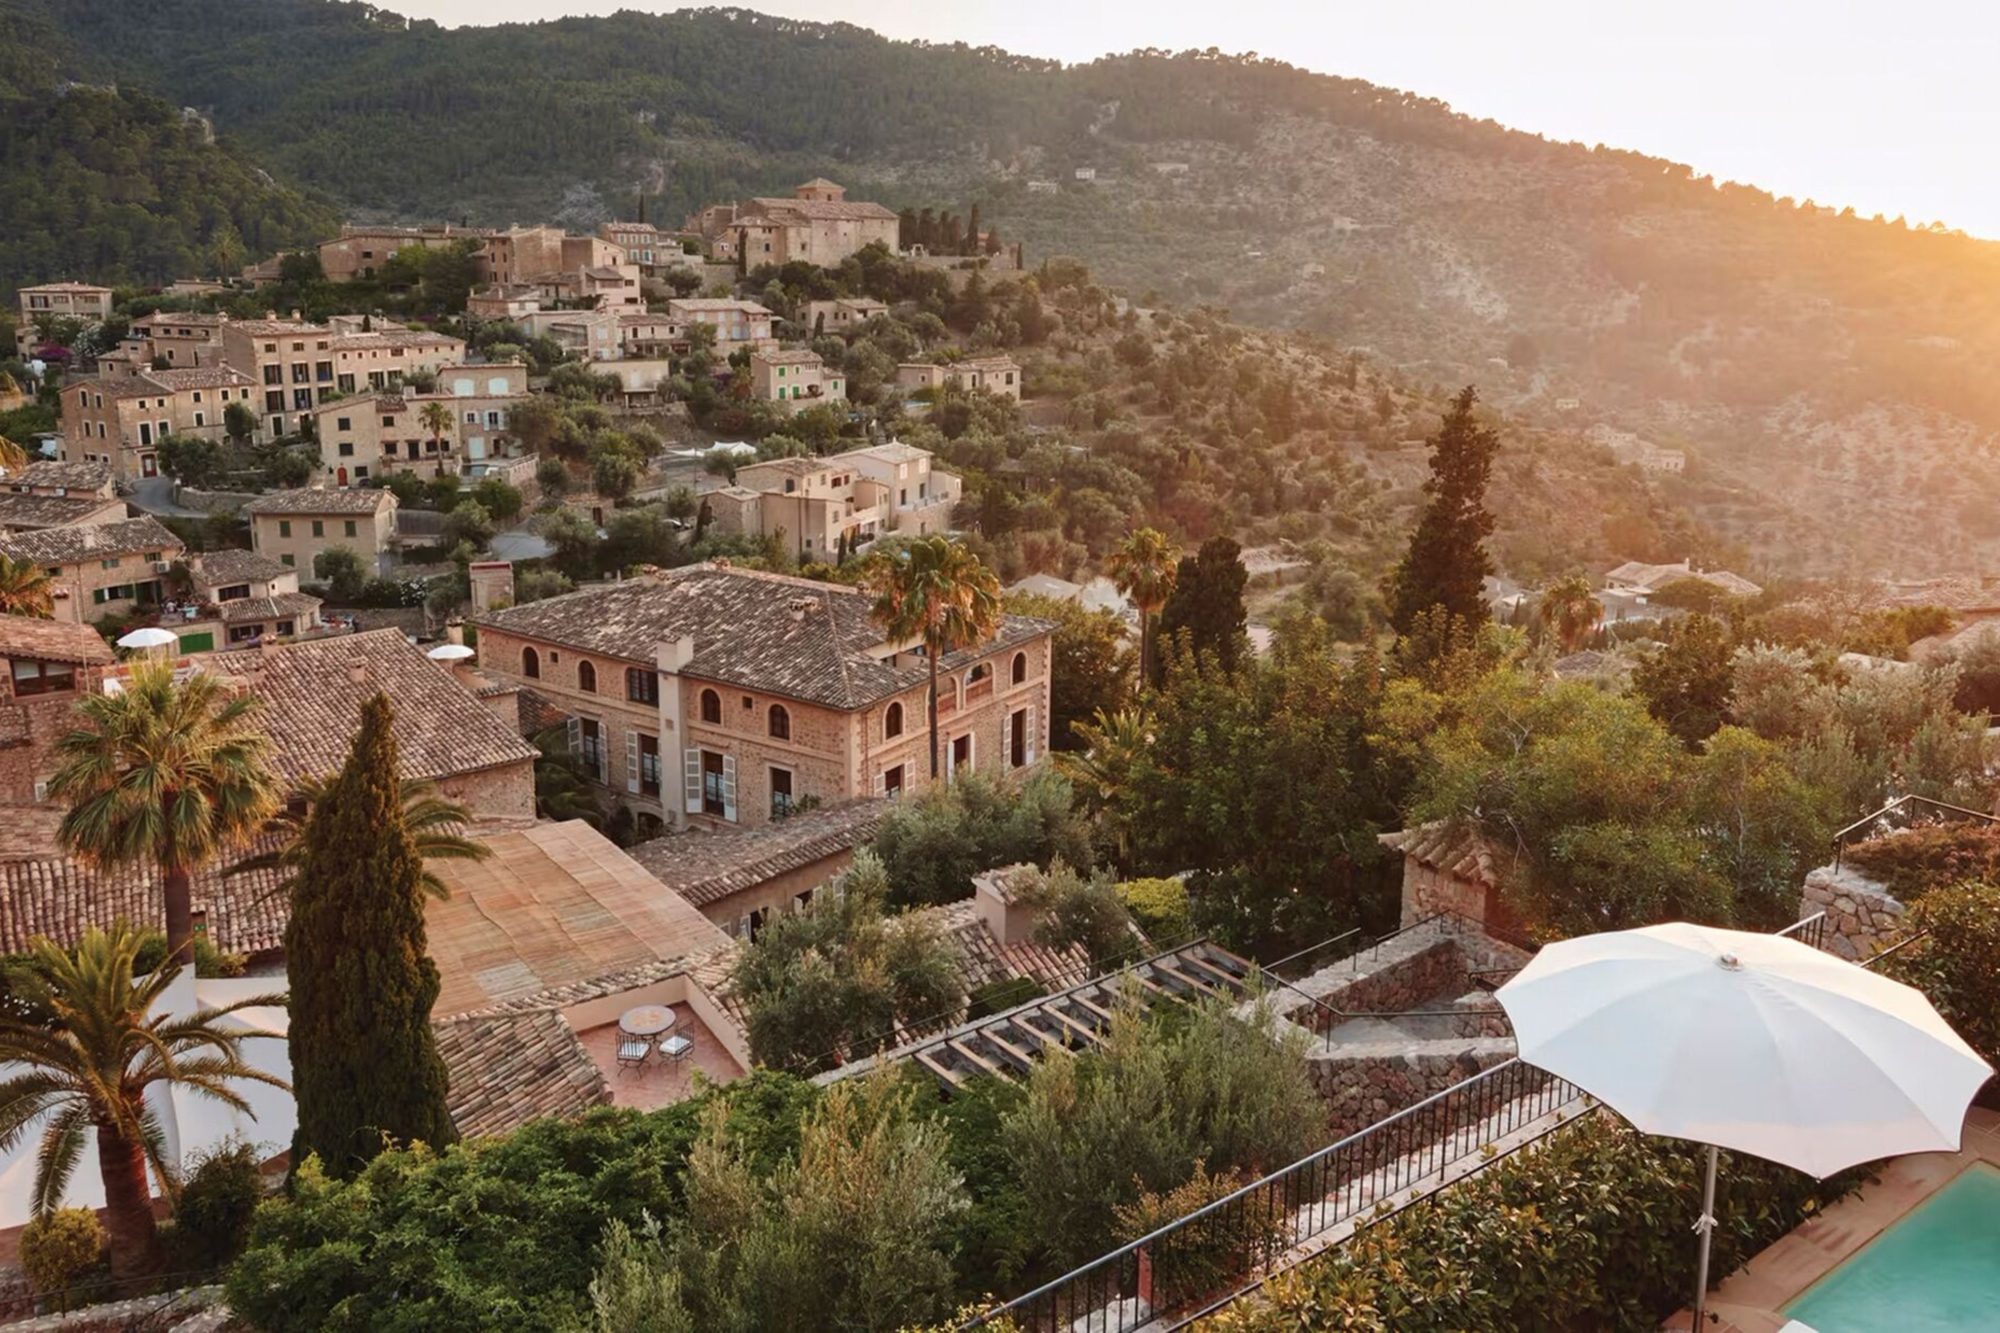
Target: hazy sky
column 1893, row 108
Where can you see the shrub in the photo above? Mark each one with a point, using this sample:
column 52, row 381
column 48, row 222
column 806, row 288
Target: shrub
column 59, row 1250
column 998, row 996
column 1207, row 1259
column 1911, row 863
column 1590, row 1230
column 1958, row 967
column 933, row 845
column 1159, row 907
column 212, row 1219
column 1078, row 912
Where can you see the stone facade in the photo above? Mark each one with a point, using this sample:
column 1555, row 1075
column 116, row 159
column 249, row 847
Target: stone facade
column 1370, row 1083
column 1862, row 918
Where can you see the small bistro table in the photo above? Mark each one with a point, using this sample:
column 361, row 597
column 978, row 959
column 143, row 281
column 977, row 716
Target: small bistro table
column 646, row 1020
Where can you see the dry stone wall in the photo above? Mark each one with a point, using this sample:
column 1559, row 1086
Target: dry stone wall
column 1862, row 917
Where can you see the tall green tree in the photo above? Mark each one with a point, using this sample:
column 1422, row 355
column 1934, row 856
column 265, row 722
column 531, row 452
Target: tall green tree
column 25, row 589
column 166, row 772
column 1447, row 559
column 1686, row 682
column 936, row 592
column 1090, row 667
column 364, row 1059
column 87, row 1037
column 1144, row 568
column 1205, row 609
column 1569, row 610
column 436, row 825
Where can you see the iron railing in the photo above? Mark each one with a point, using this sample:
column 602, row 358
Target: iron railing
column 1927, row 811
column 1325, row 1014
column 1201, row 1261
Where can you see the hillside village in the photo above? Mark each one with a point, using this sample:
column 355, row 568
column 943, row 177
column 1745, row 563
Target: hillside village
column 697, row 717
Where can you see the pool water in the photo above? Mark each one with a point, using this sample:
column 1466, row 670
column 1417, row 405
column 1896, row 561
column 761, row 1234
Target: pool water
column 1937, row 1270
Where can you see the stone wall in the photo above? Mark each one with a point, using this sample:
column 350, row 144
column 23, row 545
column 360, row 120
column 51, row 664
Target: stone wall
column 213, row 502
column 1862, row 918
column 1428, row 890
column 1366, row 1083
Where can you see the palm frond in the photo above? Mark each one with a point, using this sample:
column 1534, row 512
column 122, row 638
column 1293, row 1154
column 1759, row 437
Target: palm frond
column 55, row 1161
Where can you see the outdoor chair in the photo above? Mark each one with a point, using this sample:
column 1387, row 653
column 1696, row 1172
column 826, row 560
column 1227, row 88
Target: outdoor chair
column 632, row 1051
column 676, row 1048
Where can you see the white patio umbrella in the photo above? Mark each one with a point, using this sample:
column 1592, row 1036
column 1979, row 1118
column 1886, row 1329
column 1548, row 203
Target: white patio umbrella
column 1755, row 1043
column 449, row 652
column 152, row 636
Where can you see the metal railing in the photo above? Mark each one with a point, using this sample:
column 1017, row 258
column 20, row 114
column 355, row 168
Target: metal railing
column 1200, row 1262
column 1327, row 1014
column 1883, row 821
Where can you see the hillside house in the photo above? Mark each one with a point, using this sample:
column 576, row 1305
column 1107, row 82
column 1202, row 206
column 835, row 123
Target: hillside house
column 120, row 420
column 182, row 339
column 20, row 512
column 361, row 250
column 102, row 569
column 1638, row 578
column 45, row 667
column 296, row 527
column 62, row 479
column 817, row 225
column 242, row 598
column 794, row 379
column 858, row 495
column 49, row 301
column 736, row 323
column 717, row 695
column 999, row 375
column 843, row 315
column 739, row 877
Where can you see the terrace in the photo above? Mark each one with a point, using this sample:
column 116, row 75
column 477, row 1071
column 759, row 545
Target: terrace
column 659, row 1081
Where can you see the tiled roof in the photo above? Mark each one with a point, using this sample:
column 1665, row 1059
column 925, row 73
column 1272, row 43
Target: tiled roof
column 48, row 511
column 232, row 564
column 822, row 210
column 65, row 546
column 265, row 328
column 1453, row 846
column 441, row 729
column 984, row 960
column 793, row 637
column 284, row 606
column 1652, row 578
column 508, row 1069
column 712, row 305
column 391, row 338
column 321, row 501
column 706, row 867
column 65, row 287
column 57, row 896
column 198, row 377
column 76, row 476
column 178, row 318
column 52, row 641
column 555, row 904
column 791, row 356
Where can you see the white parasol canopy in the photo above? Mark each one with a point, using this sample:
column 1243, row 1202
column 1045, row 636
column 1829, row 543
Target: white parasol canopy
column 1756, row 1043
column 449, row 652
column 152, row 636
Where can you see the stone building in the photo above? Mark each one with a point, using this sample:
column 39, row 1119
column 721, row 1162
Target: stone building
column 716, row 695
column 739, row 877
column 296, row 527
column 858, row 495
column 289, row 361
column 82, row 301
column 795, row 379
column 21, row 512
column 817, row 225
column 120, row 420
column 736, row 323
column 67, row 480
column 997, row 375
column 104, row 569
column 45, row 667
column 1450, row 867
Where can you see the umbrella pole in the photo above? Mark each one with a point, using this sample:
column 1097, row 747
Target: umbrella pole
column 1705, row 1225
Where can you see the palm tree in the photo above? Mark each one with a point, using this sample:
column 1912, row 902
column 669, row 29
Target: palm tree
column 436, row 418
column 1569, row 609
column 1144, row 569
column 167, row 772
column 433, row 820
column 25, row 589
column 12, row 455
column 936, row 591
column 87, row 1043
column 1114, row 745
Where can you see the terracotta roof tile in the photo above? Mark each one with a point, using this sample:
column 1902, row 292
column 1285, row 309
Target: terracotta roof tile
column 507, row 1069
column 321, row 500
column 53, row 641
column 219, row 569
column 1453, row 846
column 793, row 637
column 50, row 473
column 66, row 546
column 284, row 606
column 51, row 511
column 706, row 867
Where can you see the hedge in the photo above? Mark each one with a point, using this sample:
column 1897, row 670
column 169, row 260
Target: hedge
column 1592, row 1229
column 1911, row 863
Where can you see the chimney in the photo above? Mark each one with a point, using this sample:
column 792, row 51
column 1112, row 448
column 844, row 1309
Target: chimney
column 454, row 630
column 999, row 906
column 357, row 670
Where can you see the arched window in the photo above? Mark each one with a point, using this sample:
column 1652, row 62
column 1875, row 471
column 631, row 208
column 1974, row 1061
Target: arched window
column 586, row 677
column 1020, row 667
column 781, row 722
column 531, row 664
column 977, row 674
column 892, row 722
column 711, row 707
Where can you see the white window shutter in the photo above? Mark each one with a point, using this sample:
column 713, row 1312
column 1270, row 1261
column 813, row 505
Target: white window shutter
column 631, row 761
column 691, row 789
column 1034, row 733
column 573, row 735
column 729, row 787
column 881, row 782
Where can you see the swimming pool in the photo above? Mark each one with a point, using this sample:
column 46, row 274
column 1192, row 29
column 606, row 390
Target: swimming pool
column 1937, row 1270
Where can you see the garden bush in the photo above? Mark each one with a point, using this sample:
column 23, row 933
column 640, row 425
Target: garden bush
column 933, row 844
column 1208, row 1259
column 1590, row 1230
column 1159, row 907
column 1958, row 966
column 1914, row 861
column 212, row 1217
column 60, row 1250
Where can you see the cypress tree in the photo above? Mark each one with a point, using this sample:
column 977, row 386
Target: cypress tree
column 365, row 1067
column 1447, row 558
column 1205, row 611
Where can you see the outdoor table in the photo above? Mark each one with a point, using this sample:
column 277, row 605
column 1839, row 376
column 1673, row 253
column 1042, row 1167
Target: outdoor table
column 646, row 1020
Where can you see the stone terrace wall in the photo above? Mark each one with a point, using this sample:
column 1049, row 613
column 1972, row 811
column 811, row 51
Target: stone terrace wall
column 1366, row 1083
column 1862, row 918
